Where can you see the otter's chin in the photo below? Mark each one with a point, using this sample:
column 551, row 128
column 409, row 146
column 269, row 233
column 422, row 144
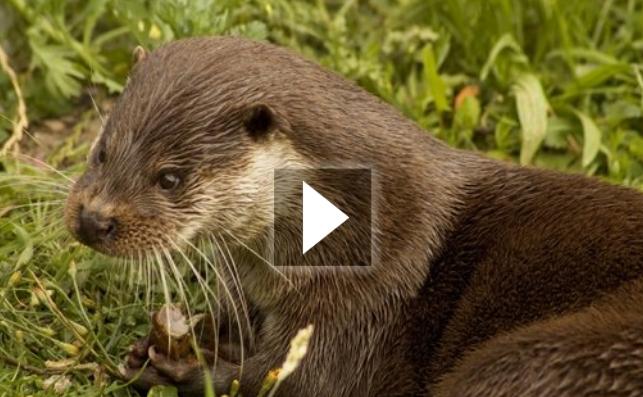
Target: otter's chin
column 124, row 251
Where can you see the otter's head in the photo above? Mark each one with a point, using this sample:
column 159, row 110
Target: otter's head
column 189, row 149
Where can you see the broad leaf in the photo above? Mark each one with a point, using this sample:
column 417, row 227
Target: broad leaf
column 434, row 83
column 532, row 108
column 592, row 138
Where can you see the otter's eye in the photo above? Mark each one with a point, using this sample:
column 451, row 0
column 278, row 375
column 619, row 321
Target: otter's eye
column 169, row 180
column 259, row 120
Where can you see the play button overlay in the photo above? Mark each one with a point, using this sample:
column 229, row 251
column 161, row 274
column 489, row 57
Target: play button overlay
column 321, row 217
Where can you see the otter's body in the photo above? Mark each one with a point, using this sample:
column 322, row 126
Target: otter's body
column 484, row 272
column 532, row 250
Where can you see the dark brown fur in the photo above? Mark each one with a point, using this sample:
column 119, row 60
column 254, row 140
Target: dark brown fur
column 530, row 246
column 472, row 256
column 597, row 351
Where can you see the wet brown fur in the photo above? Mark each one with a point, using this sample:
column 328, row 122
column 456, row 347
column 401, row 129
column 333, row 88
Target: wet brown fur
column 596, row 351
column 483, row 272
column 532, row 248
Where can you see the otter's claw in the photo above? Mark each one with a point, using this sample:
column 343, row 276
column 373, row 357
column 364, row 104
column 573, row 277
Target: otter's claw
column 140, row 347
column 143, row 378
column 138, row 353
column 138, row 369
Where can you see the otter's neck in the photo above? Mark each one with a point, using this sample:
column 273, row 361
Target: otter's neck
column 415, row 199
column 420, row 196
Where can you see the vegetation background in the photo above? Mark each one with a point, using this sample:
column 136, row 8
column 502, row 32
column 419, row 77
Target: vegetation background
column 551, row 83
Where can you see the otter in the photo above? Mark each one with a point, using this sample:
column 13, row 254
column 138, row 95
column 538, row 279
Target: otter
column 489, row 279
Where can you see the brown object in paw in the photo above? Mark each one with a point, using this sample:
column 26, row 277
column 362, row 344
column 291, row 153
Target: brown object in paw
column 171, row 332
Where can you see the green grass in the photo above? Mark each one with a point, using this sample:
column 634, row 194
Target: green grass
column 86, row 314
column 556, row 84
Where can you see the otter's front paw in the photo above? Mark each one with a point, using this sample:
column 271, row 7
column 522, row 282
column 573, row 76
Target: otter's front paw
column 138, row 370
column 145, row 366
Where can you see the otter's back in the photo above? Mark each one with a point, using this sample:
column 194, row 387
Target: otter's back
column 529, row 244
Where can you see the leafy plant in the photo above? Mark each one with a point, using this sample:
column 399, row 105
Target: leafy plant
column 580, row 57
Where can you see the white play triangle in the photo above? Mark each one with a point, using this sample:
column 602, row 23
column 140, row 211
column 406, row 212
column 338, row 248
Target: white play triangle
column 320, row 217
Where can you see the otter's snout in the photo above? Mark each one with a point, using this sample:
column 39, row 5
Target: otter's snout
column 111, row 225
column 94, row 227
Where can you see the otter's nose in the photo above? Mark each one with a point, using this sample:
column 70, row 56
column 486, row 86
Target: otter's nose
column 94, row 227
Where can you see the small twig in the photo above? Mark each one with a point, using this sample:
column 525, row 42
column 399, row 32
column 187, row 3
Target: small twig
column 573, row 145
column 93, row 367
column 22, row 122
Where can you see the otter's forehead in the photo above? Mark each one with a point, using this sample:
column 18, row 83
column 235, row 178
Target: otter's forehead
column 216, row 73
column 135, row 158
column 197, row 85
column 187, row 99
column 213, row 66
column 232, row 57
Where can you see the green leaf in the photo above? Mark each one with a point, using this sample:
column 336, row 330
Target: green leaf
column 27, row 243
column 468, row 114
column 592, row 138
column 433, row 82
column 506, row 42
column 112, row 85
column 557, row 131
column 548, row 7
column 62, row 73
column 594, row 76
column 163, row 391
column 94, row 9
column 555, row 160
column 532, row 106
column 503, row 133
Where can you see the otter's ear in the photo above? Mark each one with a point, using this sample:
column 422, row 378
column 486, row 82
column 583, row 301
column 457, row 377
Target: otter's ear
column 259, row 120
column 139, row 54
